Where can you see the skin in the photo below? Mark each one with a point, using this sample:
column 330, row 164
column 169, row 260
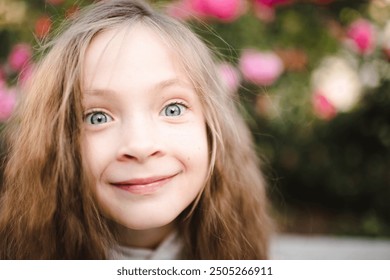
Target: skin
column 144, row 133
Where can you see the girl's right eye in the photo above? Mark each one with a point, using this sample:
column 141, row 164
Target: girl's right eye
column 96, row 118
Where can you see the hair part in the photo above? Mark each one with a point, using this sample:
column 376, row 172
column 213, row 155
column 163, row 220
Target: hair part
column 47, row 205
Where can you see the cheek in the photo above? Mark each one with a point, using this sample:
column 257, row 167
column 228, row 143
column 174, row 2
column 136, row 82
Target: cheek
column 194, row 145
column 95, row 152
column 196, row 151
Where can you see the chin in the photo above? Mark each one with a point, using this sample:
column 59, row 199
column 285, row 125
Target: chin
column 146, row 223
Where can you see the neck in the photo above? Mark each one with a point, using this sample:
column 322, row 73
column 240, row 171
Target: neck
column 149, row 238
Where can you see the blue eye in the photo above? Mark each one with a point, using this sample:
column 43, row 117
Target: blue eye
column 97, row 118
column 174, row 109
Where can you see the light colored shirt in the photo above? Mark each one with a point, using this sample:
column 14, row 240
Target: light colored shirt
column 170, row 249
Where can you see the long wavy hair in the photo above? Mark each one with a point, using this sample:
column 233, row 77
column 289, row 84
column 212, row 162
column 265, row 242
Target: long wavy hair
column 47, row 206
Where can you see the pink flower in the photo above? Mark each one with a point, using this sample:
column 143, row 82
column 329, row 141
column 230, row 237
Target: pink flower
column 361, row 36
column 7, row 103
column 224, row 10
column 322, row 107
column 230, row 76
column 262, row 68
column 19, row 56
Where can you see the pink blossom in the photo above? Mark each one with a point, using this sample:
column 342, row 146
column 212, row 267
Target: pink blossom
column 19, row 56
column 361, row 35
column 224, row 10
column 7, row 103
column 230, row 76
column 201, row 7
column 262, row 68
column 322, row 107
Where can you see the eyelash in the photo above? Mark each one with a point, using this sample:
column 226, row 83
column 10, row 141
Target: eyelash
column 89, row 115
column 93, row 112
column 178, row 103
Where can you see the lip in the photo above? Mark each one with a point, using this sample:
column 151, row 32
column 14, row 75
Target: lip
column 143, row 185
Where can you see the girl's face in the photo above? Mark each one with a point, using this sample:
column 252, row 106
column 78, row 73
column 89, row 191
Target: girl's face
column 145, row 133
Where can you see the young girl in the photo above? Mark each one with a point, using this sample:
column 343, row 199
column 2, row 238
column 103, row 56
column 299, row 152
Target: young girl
column 126, row 145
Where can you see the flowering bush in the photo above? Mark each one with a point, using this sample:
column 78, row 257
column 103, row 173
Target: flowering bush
column 224, row 10
column 313, row 77
column 338, row 83
column 361, row 35
column 19, row 57
column 261, row 68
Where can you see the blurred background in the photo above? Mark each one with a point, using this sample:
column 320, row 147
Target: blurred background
column 314, row 80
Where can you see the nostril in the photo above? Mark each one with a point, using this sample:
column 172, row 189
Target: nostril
column 139, row 151
column 156, row 153
column 139, row 138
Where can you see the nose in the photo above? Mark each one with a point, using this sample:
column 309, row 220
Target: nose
column 139, row 140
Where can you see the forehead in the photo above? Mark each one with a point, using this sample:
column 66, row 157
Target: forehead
column 123, row 52
column 128, row 37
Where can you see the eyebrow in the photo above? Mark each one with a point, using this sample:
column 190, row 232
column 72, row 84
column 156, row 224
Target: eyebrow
column 157, row 87
column 172, row 82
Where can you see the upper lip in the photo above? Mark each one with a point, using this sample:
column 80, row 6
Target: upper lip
column 144, row 181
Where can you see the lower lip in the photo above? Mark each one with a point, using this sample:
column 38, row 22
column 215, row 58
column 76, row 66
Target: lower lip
column 144, row 189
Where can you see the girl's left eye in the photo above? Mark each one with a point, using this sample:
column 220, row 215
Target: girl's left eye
column 174, row 110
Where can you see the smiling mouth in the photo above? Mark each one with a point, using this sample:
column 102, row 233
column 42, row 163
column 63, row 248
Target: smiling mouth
column 143, row 185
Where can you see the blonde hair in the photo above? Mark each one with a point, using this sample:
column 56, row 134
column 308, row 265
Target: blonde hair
column 47, row 207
